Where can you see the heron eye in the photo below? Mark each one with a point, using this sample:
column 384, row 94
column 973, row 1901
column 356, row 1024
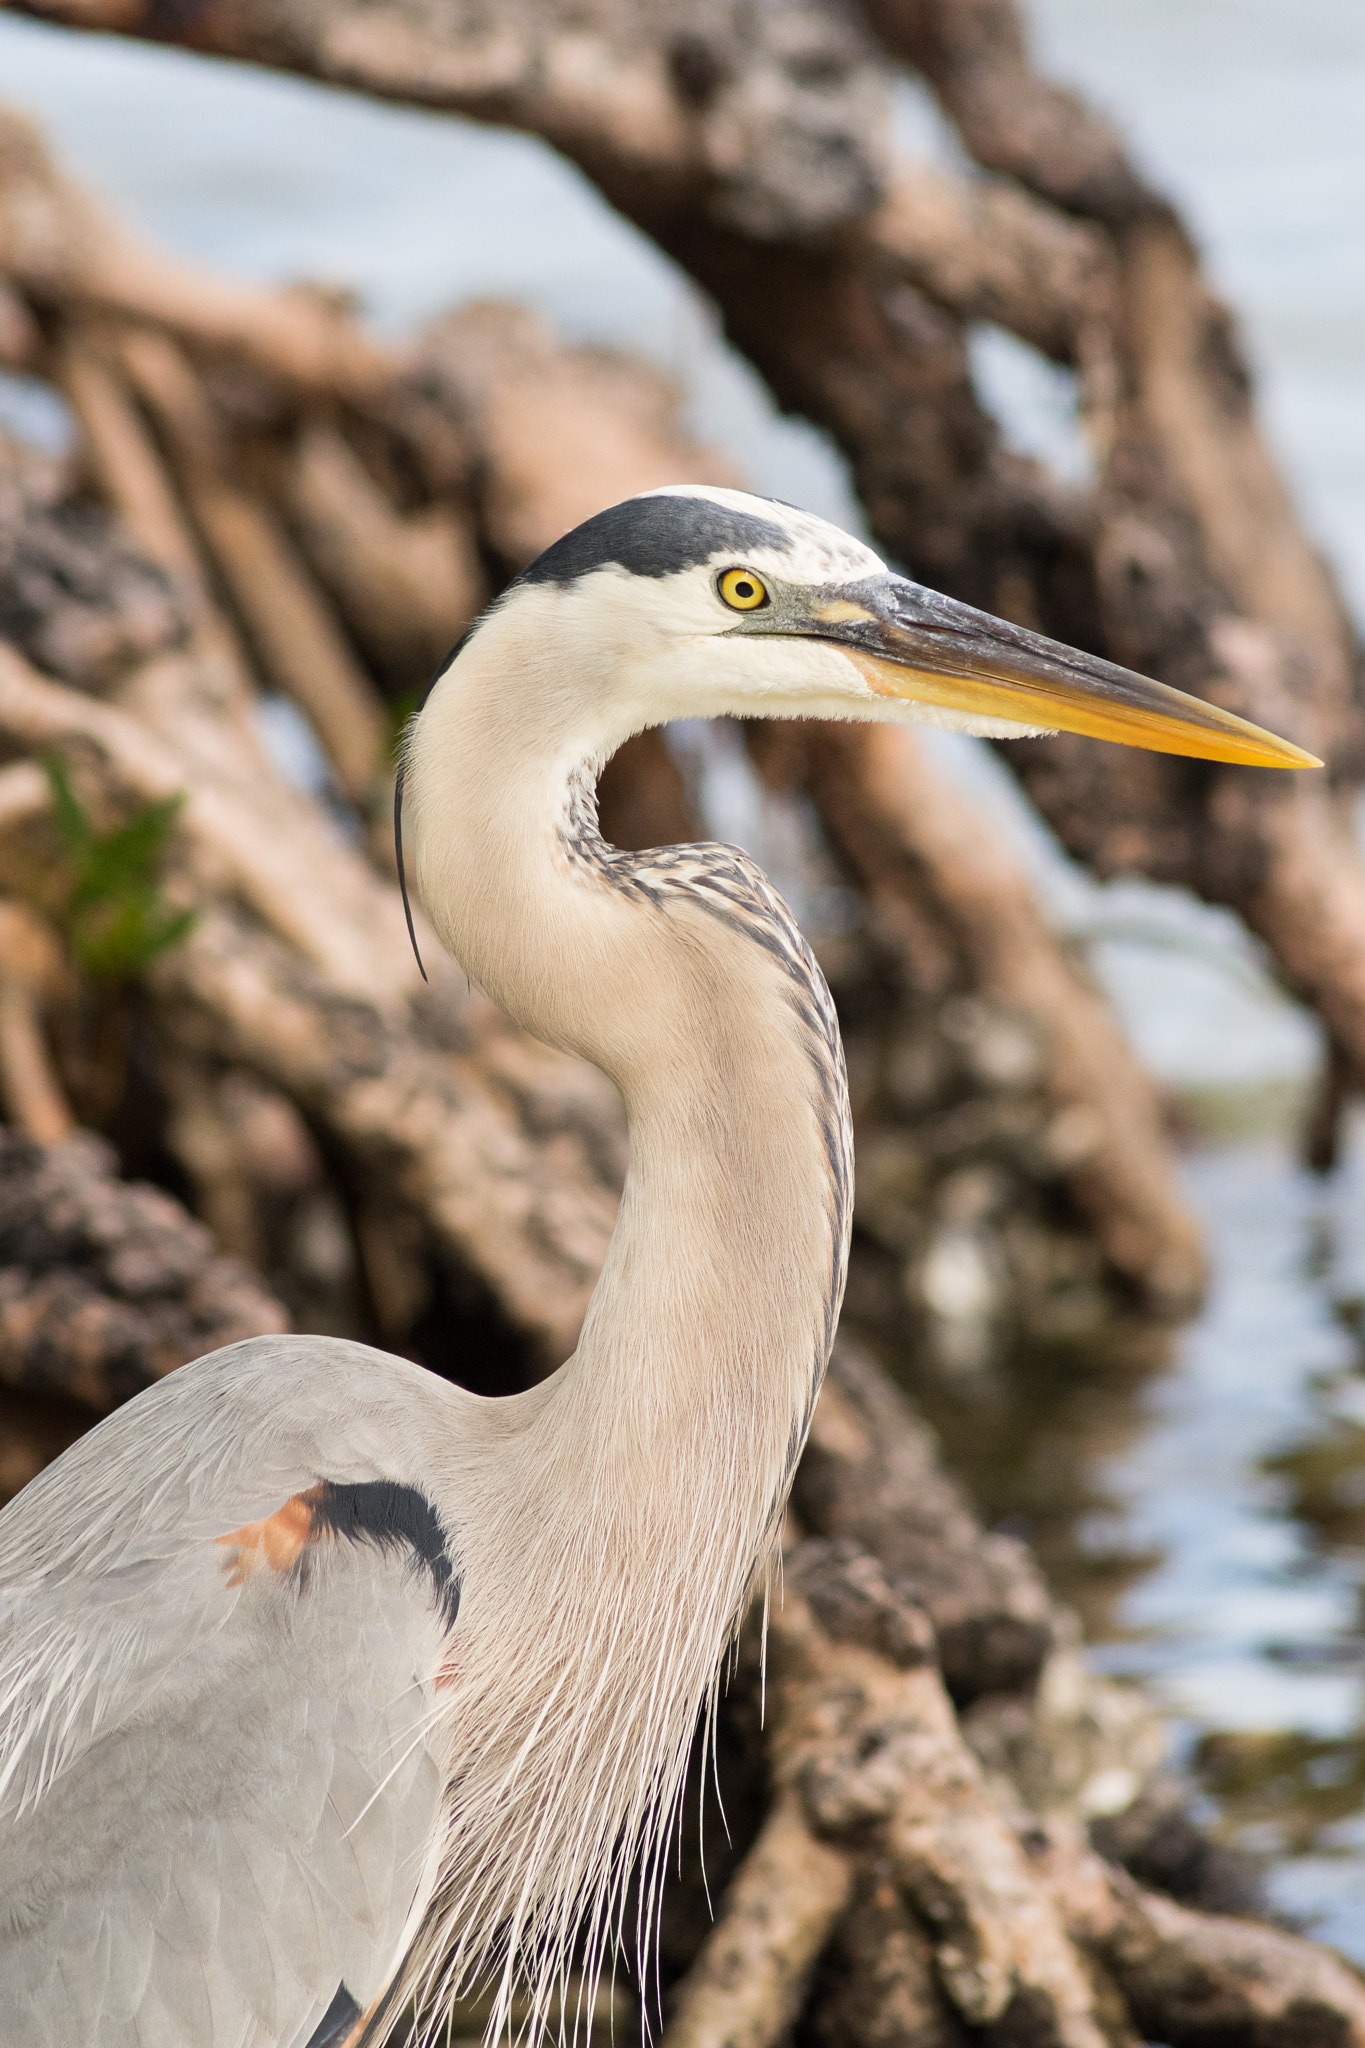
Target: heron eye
column 742, row 590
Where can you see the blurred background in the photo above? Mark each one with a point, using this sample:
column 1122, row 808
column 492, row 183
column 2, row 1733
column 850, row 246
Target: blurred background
column 1214, row 1524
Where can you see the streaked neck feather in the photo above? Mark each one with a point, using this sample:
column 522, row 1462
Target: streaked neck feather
column 629, row 1505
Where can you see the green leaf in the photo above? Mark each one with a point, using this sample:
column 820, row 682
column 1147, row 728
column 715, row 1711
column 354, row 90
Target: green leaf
column 118, row 941
column 127, row 856
column 72, row 822
column 115, row 920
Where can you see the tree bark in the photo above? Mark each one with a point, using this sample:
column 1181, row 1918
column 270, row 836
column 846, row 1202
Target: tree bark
column 935, row 1748
column 759, row 159
column 106, row 1286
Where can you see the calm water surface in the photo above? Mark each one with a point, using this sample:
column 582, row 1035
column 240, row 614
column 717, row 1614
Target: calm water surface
column 1227, row 1493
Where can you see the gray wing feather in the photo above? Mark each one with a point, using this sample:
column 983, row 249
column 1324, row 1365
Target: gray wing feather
column 219, row 1799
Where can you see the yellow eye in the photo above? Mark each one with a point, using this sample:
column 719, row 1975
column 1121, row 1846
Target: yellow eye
column 742, row 591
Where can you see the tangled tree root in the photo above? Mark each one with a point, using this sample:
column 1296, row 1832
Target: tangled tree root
column 272, row 505
column 911, row 1882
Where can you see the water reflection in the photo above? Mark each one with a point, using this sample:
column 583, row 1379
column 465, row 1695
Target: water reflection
column 1200, row 1497
column 1035, row 1441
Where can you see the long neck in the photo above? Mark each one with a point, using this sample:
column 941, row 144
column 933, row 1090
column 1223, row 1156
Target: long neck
column 633, row 1498
column 682, row 976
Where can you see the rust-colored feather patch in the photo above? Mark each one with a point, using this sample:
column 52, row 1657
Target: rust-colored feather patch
column 276, row 1543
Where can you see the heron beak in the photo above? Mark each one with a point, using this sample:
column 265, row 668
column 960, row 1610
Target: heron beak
column 913, row 643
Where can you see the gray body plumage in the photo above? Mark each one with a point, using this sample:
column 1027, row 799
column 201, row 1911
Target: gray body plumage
column 224, row 1809
column 325, row 1684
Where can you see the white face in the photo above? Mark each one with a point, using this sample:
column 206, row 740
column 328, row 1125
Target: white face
column 740, row 633
column 692, row 602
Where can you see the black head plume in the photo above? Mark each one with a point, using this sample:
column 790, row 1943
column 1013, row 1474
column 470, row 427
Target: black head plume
column 402, row 875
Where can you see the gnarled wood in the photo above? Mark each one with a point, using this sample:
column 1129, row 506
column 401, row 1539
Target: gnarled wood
column 746, row 1987
column 850, row 286
column 106, row 1286
column 62, row 248
column 299, row 969
column 30, row 972
column 733, row 148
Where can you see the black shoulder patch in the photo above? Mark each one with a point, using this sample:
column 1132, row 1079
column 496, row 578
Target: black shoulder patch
column 337, row 2022
column 653, row 537
column 396, row 1517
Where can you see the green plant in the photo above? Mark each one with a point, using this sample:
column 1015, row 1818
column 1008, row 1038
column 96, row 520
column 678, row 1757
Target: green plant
column 115, row 919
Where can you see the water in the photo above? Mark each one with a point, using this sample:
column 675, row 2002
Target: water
column 1252, row 1620
column 1224, row 1495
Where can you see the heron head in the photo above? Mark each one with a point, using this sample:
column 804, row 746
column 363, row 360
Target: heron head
column 691, row 601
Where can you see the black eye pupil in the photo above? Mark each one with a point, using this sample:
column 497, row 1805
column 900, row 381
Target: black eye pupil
column 744, row 590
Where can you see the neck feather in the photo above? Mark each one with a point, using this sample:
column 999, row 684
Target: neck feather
column 681, row 974
column 642, row 1491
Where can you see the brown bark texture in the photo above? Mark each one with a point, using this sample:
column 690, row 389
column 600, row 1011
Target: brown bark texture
column 972, row 1903
column 106, row 1286
column 485, row 433
column 755, row 148
column 268, row 1118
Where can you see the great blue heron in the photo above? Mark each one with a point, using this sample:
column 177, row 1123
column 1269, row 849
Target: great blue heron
column 323, row 1680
